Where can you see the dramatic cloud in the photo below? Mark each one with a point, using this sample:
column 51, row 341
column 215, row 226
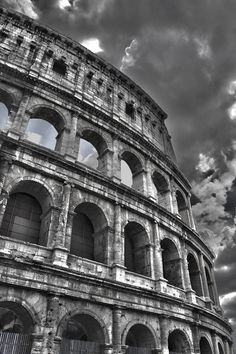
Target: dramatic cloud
column 183, row 54
column 92, row 44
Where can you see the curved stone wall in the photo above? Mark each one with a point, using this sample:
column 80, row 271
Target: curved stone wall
column 88, row 262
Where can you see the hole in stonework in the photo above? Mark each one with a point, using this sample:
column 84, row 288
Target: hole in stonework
column 3, row 115
column 129, row 109
column 41, row 132
column 126, row 174
column 59, row 66
column 88, row 155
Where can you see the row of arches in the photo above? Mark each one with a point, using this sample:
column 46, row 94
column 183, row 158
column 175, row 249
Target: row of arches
column 83, row 332
column 29, row 217
column 46, row 127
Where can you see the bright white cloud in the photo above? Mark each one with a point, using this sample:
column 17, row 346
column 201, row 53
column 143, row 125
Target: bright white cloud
column 128, row 59
column 231, row 89
column 232, row 111
column 206, row 163
column 227, row 298
column 24, row 6
column 92, row 44
column 203, row 48
column 63, row 4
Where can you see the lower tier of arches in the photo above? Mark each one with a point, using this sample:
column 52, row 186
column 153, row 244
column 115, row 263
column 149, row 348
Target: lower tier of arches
column 53, row 324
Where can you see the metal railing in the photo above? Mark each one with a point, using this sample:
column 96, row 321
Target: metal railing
column 71, row 346
column 15, row 343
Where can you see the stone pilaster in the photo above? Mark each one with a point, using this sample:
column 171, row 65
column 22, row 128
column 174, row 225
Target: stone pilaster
column 53, row 313
column 196, row 338
column 215, row 345
column 71, row 153
column 118, row 246
column 60, row 252
column 204, row 279
column 21, row 118
column 116, row 329
column 164, row 334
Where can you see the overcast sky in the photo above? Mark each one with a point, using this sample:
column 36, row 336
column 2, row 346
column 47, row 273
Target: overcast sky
column 183, row 53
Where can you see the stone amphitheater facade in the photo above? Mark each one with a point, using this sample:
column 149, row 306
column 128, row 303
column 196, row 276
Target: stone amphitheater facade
column 88, row 264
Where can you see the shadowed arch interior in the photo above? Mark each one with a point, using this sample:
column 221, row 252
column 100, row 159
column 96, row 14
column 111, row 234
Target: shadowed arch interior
column 178, row 343
column 171, row 263
column 27, row 215
column 45, row 127
column 162, row 188
column 136, row 169
column 220, row 348
column 139, row 336
column 82, row 334
column 137, row 252
column 205, row 347
column 195, row 275
column 6, row 102
column 15, row 318
column 89, row 232
column 92, row 150
column 182, row 207
column 210, row 284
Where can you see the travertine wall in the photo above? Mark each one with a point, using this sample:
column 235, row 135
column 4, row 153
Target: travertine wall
column 45, row 284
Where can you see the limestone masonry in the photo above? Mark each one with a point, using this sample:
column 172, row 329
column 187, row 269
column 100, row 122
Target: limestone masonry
column 90, row 265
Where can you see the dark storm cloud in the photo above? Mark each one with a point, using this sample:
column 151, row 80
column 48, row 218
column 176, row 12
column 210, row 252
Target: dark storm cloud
column 184, row 54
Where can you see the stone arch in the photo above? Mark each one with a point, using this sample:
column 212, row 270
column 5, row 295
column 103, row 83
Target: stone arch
column 51, row 131
column 89, row 232
column 96, row 151
column 28, row 211
column 7, row 98
column 139, row 335
column 182, row 206
column 220, row 348
column 137, row 249
column 209, row 283
column 88, row 312
column 162, row 188
column 178, row 342
column 171, row 263
column 205, row 345
column 6, row 102
column 82, row 330
column 136, row 168
column 195, row 274
column 15, row 317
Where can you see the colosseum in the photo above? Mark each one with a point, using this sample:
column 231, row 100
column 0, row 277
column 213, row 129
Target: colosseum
column 91, row 263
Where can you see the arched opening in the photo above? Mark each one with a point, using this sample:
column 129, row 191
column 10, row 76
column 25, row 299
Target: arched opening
column 82, row 334
column 89, row 233
column 45, row 128
column 195, row 275
column 182, row 207
column 27, row 215
column 140, row 340
column 92, row 150
column 220, row 349
column 162, row 188
column 41, row 132
column 59, row 66
column 16, row 326
column 178, row 343
column 171, row 263
column 131, row 171
column 126, row 174
column 205, row 346
column 137, row 250
column 3, row 115
column 210, row 285
column 6, row 102
column 88, row 155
